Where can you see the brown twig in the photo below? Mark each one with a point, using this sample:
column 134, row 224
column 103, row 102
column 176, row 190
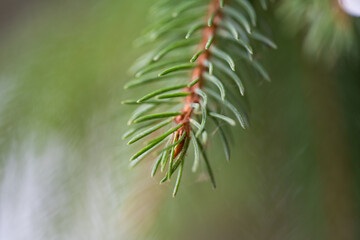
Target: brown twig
column 197, row 73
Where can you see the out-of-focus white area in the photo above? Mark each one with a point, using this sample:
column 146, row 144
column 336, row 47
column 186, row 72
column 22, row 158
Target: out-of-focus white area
column 352, row 7
column 27, row 199
column 43, row 197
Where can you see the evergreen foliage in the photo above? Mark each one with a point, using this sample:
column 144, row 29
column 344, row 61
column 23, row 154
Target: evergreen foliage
column 193, row 69
column 329, row 31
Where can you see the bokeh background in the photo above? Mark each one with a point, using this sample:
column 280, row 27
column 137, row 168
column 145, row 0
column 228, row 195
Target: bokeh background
column 64, row 174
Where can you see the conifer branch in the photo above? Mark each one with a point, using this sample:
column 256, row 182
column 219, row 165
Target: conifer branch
column 208, row 41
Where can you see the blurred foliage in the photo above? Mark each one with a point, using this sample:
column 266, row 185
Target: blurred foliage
column 328, row 31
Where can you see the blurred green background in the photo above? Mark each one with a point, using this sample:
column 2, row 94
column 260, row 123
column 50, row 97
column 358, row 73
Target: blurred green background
column 64, row 168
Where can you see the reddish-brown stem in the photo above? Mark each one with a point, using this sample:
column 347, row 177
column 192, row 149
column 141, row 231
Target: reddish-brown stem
column 197, row 73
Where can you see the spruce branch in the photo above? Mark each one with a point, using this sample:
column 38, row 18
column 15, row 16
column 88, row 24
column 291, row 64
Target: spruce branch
column 200, row 41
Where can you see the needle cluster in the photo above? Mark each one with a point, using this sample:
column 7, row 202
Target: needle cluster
column 193, row 71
